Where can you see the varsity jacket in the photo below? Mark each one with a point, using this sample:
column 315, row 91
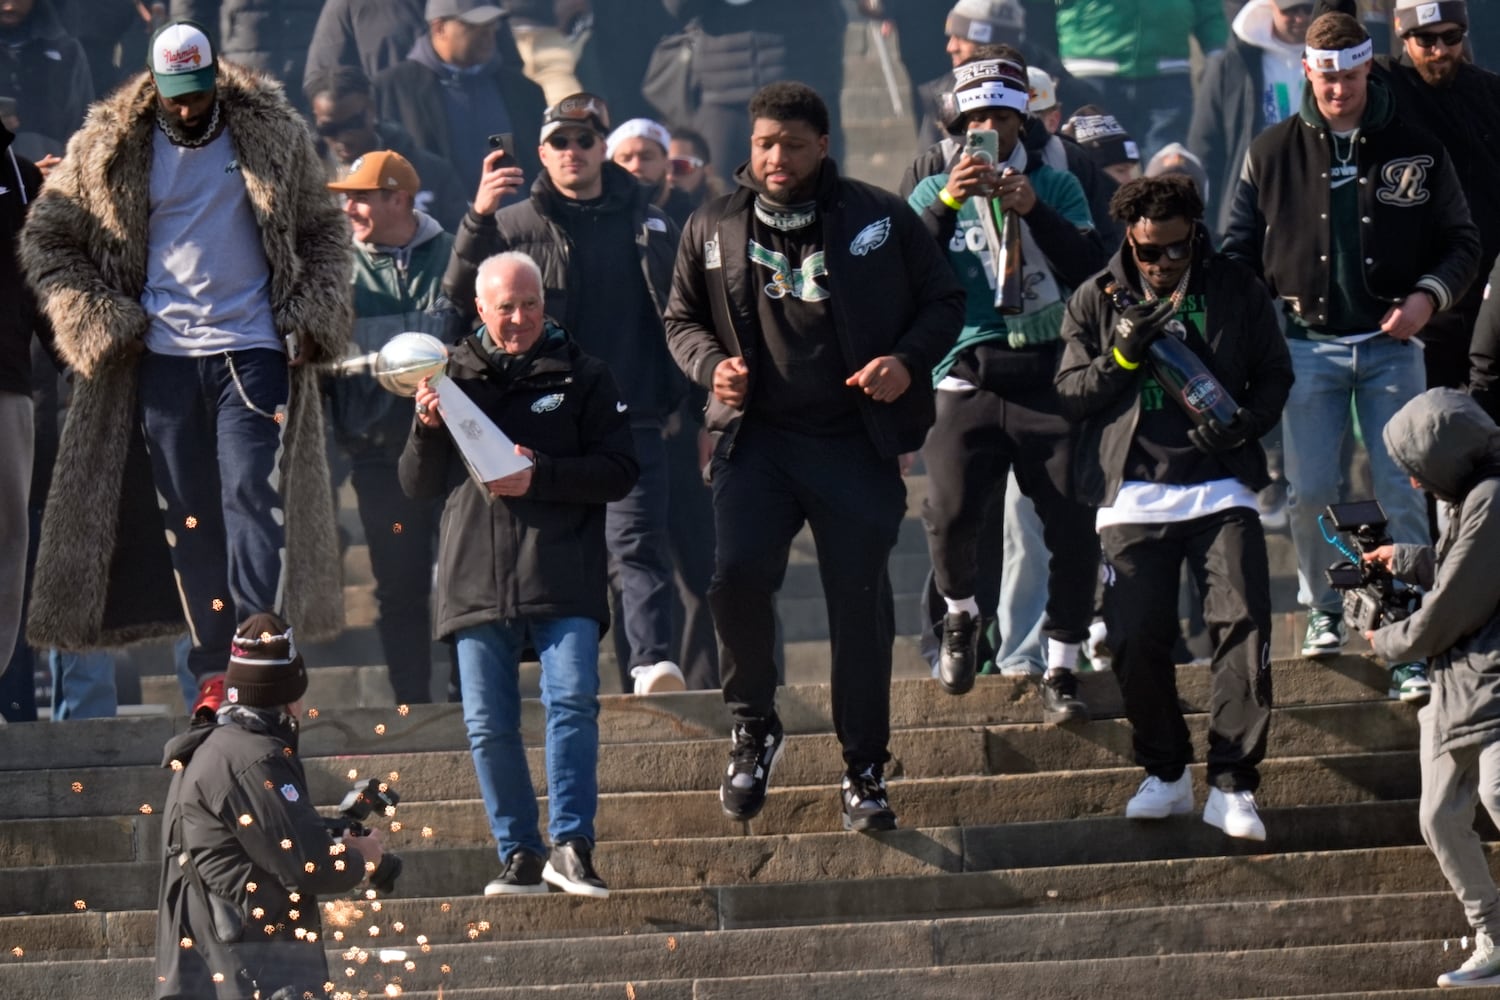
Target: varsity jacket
column 1415, row 230
column 890, row 288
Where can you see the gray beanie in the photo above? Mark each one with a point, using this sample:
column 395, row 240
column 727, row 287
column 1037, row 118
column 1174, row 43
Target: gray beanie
column 987, row 22
column 1413, row 15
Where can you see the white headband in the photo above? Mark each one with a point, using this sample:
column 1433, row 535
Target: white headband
column 992, row 94
column 1338, row 60
column 638, row 128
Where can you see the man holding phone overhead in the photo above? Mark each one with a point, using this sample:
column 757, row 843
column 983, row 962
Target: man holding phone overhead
column 996, row 406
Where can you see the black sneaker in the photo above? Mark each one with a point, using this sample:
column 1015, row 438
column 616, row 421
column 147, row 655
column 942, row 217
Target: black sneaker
column 753, row 753
column 1060, row 701
column 571, row 869
column 865, row 806
column 958, row 656
column 522, row 874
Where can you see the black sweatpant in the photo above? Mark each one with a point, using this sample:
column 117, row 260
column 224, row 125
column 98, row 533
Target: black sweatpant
column 772, row 483
column 1226, row 554
column 1011, row 420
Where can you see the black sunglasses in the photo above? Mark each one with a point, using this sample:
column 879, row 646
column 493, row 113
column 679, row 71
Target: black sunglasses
column 1451, row 39
column 584, row 140
column 353, row 123
column 1149, row 253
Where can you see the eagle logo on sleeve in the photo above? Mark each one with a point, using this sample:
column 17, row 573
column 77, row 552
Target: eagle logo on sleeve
column 872, row 237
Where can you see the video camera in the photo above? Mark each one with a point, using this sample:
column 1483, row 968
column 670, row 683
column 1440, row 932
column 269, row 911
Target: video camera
column 357, row 806
column 1371, row 597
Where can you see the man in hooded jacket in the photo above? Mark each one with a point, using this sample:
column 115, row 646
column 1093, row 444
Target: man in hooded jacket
column 1448, row 445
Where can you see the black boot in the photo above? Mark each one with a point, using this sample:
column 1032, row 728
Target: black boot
column 1060, row 701
column 958, row 657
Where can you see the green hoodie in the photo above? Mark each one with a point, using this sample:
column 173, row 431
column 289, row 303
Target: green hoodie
column 1134, row 39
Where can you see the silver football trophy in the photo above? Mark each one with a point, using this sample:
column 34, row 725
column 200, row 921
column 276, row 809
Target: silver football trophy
column 401, row 365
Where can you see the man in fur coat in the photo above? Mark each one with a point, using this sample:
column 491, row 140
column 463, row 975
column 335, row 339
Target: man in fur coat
column 192, row 264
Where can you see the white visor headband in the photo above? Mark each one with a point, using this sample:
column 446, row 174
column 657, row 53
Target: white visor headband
column 992, row 94
column 1339, row 60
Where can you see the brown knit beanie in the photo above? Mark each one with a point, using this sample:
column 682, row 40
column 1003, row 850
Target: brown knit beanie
column 265, row 669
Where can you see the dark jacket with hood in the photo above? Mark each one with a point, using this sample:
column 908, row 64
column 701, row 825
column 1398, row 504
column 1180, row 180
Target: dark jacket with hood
column 371, row 34
column 1415, row 230
column 543, row 554
column 1247, row 353
column 637, row 357
column 1452, row 448
column 46, row 70
column 238, row 794
column 411, row 92
column 268, row 35
column 892, row 292
column 1484, row 348
column 20, row 181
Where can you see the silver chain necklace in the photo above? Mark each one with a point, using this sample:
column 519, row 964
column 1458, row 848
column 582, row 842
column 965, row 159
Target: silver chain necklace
column 1178, row 293
column 170, row 130
column 1353, row 138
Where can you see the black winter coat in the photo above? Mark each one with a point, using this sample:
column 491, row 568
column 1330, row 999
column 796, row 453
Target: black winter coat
column 1228, row 114
column 371, row 34
column 1415, row 229
column 1248, row 354
column 48, row 75
column 891, row 289
column 20, row 181
column 543, row 554
column 244, row 767
column 532, row 227
column 268, row 35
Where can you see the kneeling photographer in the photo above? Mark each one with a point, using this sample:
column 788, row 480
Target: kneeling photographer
column 1451, row 448
column 244, row 853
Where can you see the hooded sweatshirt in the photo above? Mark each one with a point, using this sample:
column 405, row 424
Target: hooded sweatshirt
column 1447, row 442
column 1281, row 62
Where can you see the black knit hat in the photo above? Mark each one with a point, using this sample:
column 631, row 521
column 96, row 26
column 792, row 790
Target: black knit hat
column 265, row 669
column 1102, row 137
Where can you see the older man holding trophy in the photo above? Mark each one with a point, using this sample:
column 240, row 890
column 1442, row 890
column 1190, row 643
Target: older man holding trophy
column 1020, row 237
column 521, row 557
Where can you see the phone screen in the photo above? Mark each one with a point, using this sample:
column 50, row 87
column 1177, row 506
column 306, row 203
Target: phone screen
column 983, row 144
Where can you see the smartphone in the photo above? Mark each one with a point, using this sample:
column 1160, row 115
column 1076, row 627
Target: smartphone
column 504, row 141
column 983, row 144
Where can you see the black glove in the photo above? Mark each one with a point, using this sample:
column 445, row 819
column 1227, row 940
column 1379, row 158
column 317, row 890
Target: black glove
column 1138, row 326
column 1214, row 436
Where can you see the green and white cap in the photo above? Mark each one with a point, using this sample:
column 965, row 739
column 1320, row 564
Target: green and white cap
column 182, row 59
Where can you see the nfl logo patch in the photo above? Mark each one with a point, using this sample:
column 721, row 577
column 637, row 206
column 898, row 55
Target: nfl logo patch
column 289, row 792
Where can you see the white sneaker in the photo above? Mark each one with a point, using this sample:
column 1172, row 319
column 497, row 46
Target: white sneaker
column 655, row 678
column 1234, row 813
column 1158, row 799
column 1481, row 969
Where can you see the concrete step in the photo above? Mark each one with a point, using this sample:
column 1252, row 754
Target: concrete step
column 810, row 759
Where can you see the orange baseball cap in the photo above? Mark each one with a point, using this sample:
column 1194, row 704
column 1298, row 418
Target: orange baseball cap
column 382, row 170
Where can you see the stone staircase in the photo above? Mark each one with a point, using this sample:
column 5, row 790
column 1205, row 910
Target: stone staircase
column 1013, row 865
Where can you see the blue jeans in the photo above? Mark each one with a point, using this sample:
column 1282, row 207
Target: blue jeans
column 83, row 685
column 1023, row 583
column 488, row 658
column 1379, row 376
column 640, row 553
column 215, row 442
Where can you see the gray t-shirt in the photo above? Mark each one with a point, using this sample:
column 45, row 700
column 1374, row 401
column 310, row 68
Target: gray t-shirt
column 208, row 285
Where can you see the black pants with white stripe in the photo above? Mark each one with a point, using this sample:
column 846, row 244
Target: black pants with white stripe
column 1226, row 554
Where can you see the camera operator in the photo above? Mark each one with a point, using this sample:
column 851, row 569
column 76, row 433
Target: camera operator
column 244, row 854
column 1448, row 446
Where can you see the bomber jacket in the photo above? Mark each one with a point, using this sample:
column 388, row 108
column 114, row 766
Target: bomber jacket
column 543, row 554
column 1135, row 39
column 1247, row 352
column 268, row 871
column 1415, row 229
column 533, row 227
column 890, row 287
column 1452, row 448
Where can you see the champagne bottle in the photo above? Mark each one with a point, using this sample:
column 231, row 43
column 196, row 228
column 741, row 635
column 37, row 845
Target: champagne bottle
column 1180, row 371
column 1010, row 287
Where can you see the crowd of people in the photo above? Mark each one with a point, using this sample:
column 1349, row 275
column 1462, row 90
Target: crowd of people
column 1128, row 331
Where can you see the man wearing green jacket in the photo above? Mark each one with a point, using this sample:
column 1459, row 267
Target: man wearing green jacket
column 1136, row 54
column 400, row 254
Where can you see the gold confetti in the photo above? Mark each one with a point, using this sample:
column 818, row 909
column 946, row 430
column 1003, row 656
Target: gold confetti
column 79, row 904
column 294, row 914
column 246, row 819
column 77, row 787
column 176, row 765
column 310, row 868
column 395, row 826
column 427, row 831
column 398, row 927
column 338, row 935
column 190, row 521
column 376, row 906
column 270, row 929
column 301, row 933
column 369, row 893
column 250, row 887
column 146, row 809
column 286, row 751
column 270, row 785
column 380, row 729
column 279, row 417
column 329, row 986
column 218, row 977
column 410, row 965
column 294, row 897
column 374, row 931
column 403, row 710
column 353, row 774
column 421, row 939
column 394, row 776
column 484, row 925
column 312, row 713
column 218, row 605
column 312, row 935
column 258, row 912
column 186, row 942
column 349, row 972
column 671, row 944
column 286, row 845
column 396, row 528
column 444, row 968
column 426, row 948
column 18, row 951
column 446, row 907
column 473, row 934
column 392, row 990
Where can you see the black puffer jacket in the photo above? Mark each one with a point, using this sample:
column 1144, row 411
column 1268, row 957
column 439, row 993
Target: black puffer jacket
column 637, row 358
column 1248, row 354
column 269, row 35
column 742, row 47
column 892, row 292
column 237, row 796
column 543, row 554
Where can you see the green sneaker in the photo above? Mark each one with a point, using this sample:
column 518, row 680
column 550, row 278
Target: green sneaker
column 1409, row 683
column 1326, row 635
